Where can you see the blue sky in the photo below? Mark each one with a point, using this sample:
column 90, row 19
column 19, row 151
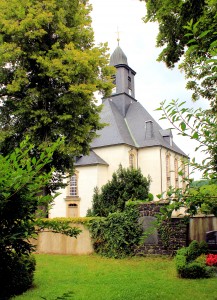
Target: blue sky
column 153, row 82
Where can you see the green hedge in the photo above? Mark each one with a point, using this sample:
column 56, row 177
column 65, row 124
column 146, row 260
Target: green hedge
column 186, row 264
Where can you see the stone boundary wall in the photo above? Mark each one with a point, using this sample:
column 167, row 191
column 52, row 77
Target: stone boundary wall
column 176, row 234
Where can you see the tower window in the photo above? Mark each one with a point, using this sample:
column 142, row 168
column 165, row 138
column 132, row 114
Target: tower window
column 114, row 82
column 129, row 83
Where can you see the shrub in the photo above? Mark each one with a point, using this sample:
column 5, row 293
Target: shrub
column 189, row 265
column 16, row 274
column 195, row 270
column 118, row 234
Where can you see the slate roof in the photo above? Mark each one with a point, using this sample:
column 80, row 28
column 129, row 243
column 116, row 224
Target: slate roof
column 132, row 129
column 118, row 57
column 91, row 159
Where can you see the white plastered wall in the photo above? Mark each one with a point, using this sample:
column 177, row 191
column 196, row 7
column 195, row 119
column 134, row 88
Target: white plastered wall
column 59, row 207
column 152, row 161
column 114, row 156
column 89, row 178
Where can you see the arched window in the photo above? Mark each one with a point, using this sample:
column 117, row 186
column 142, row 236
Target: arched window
column 132, row 160
column 176, row 173
column 168, row 171
column 184, row 174
column 73, row 185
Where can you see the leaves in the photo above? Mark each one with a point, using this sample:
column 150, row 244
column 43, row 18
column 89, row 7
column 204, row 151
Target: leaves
column 125, row 184
column 49, row 70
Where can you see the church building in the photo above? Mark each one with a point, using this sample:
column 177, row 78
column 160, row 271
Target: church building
column 132, row 138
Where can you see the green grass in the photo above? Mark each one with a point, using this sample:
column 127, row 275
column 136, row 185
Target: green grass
column 97, row 278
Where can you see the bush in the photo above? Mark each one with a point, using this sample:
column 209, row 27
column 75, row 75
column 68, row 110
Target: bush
column 126, row 184
column 16, row 274
column 195, row 270
column 118, row 234
column 195, row 249
column 189, row 265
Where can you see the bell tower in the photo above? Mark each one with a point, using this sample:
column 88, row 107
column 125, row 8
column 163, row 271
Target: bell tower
column 124, row 78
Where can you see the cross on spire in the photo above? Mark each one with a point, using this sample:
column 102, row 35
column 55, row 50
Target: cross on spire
column 118, row 35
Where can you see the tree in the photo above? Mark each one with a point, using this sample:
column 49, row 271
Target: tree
column 187, row 29
column 198, row 125
column 21, row 179
column 172, row 17
column 49, row 70
column 126, row 184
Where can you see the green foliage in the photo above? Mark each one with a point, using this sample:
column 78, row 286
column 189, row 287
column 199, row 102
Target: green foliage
column 199, row 64
column 126, row 184
column 21, row 183
column 16, row 274
column 118, row 234
column 173, row 16
column 199, row 183
column 187, row 29
column 74, row 220
column 57, row 226
column 194, row 250
column 187, row 264
column 200, row 126
column 49, row 70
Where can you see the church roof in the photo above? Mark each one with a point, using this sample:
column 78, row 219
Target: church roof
column 128, row 122
column 118, row 57
column 116, row 132
column 137, row 128
column 91, row 159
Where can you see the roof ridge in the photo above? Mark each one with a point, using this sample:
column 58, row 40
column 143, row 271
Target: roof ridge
column 137, row 145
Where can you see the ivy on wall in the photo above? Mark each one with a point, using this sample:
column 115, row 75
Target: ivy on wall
column 118, row 234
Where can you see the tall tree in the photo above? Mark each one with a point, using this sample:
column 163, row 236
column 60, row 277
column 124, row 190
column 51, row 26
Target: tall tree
column 49, row 70
column 187, row 29
column 172, row 17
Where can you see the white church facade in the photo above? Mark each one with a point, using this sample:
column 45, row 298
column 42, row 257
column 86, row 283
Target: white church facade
column 132, row 138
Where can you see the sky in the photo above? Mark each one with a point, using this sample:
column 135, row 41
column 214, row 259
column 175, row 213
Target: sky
column 154, row 82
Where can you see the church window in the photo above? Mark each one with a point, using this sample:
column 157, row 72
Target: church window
column 132, row 160
column 168, row 171
column 176, row 173
column 73, row 185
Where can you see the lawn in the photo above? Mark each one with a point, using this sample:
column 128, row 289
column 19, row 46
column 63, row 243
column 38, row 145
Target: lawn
column 96, row 278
